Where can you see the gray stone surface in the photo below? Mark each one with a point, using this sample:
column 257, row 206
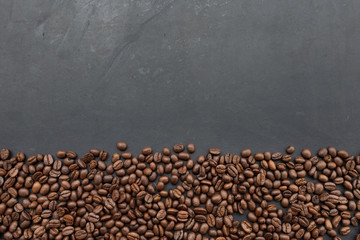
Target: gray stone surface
column 260, row 74
column 232, row 74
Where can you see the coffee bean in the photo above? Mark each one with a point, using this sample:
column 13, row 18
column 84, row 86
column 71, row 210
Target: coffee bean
column 146, row 150
column 89, row 198
column 214, row 151
column 161, row 215
column 81, row 234
column 245, row 153
column 260, row 179
column 39, row 231
column 184, row 155
column 344, row 231
column 322, row 152
column 191, row 148
column 204, row 228
column 68, row 230
column 93, row 217
column 71, row 154
column 290, row 149
column 343, row 154
column 306, row 153
column 48, row 160
column 4, row 154
column 276, row 156
column 182, row 216
column 178, row 148
column 246, row 226
column 276, row 222
column 122, row 146
column 61, row 154
column 133, row 236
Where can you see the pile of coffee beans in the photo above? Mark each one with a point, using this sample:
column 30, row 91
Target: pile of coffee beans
column 171, row 195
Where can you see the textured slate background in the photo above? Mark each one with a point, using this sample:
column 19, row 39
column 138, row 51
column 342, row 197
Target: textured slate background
column 232, row 74
column 260, row 74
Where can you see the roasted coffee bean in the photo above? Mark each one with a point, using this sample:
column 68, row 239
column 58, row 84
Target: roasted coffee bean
column 71, row 154
column 81, row 234
column 68, row 230
column 5, row 153
column 178, row 148
column 133, row 236
column 344, row 231
column 122, row 146
column 191, row 148
column 290, row 149
column 306, row 153
column 39, row 231
column 276, row 156
column 214, row 151
column 245, row 153
column 61, row 154
column 246, row 226
column 161, row 215
column 89, row 198
column 146, row 151
column 48, row 160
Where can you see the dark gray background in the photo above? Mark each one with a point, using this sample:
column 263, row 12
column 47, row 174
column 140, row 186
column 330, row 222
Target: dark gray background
column 232, row 74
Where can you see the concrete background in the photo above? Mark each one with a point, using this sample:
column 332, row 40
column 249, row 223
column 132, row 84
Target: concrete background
column 78, row 74
column 233, row 74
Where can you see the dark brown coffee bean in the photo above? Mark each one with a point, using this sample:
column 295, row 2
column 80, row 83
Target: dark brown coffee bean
column 71, row 154
column 68, row 230
column 276, row 156
column 48, row 160
column 133, row 236
column 61, row 154
column 214, row 151
column 182, row 215
column 161, row 215
column 184, row 155
column 246, row 153
column 122, row 146
column 300, row 233
column 39, row 231
column 354, row 221
column 246, row 226
column 178, row 148
column 146, row 151
column 191, row 148
column 93, row 217
column 343, row 154
column 81, row 234
column 5, row 153
column 210, row 219
column 306, row 153
column 260, row 179
column 344, row 231
column 276, row 222
column 204, row 228
column 89, row 198
column 322, row 152
column 290, row 149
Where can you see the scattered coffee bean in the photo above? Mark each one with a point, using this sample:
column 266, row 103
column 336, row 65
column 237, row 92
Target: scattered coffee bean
column 122, row 146
column 73, row 197
column 306, row 153
column 290, row 149
column 191, row 148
